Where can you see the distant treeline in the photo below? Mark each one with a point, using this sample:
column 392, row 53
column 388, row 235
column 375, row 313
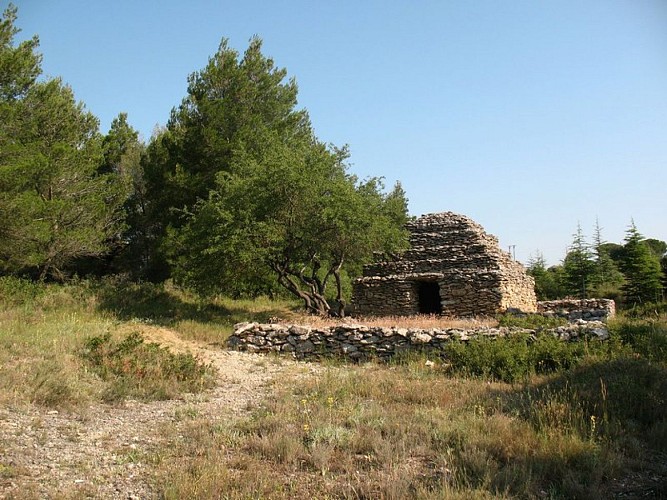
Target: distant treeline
column 235, row 195
column 632, row 273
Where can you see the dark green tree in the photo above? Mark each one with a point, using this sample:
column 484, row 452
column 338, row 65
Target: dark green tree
column 122, row 153
column 578, row 266
column 227, row 102
column 122, row 149
column 547, row 280
column 20, row 64
column 230, row 104
column 294, row 211
column 250, row 197
column 606, row 279
column 658, row 247
column 641, row 269
column 54, row 204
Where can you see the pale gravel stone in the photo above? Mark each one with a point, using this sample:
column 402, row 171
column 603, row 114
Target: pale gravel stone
column 69, row 454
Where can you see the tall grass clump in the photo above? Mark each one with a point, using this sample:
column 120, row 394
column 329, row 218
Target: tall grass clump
column 18, row 291
column 134, row 368
column 647, row 337
column 44, row 328
column 533, row 321
column 41, row 329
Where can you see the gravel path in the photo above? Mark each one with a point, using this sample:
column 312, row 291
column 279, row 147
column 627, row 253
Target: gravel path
column 97, row 452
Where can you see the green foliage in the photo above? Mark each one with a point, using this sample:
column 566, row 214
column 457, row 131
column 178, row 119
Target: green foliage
column 532, row 321
column 18, row 291
column 607, row 278
column 633, row 274
column 252, row 198
column 621, row 394
column 500, row 359
column 548, row 281
column 20, row 65
column 657, row 247
column 515, row 357
column 642, row 270
column 646, row 336
column 54, row 204
column 578, row 266
column 147, row 371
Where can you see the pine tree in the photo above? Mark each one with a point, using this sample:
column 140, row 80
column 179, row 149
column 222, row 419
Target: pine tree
column 55, row 206
column 547, row 281
column 250, row 197
column 641, row 269
column 578, row 266
column 606, row 279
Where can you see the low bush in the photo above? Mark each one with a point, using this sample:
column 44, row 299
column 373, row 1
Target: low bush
column 532, row 321
column 19, row 291
column 142, row 370
column 646, row 337
column 515, row 357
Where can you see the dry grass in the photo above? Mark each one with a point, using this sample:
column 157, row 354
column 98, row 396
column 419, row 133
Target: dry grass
column 39, row 359
column 406, row 431
column 422, row 321
column 398, row 430
column 43, row 335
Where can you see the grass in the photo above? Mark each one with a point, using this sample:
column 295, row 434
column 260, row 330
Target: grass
column 60, row 347
column 193, row 318
column 136, row 369
column 422, row 321
column 411, row 431
column 520, row 418
column 519, row 356
column 587, row 420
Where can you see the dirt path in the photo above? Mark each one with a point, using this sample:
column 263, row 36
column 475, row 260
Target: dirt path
column 98, row 452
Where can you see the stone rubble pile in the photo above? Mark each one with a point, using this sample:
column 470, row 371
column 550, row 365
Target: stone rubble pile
column 469, row 274
column 362, row 342
column 573, row 309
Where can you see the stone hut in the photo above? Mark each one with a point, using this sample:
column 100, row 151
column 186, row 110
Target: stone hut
column 453, row 267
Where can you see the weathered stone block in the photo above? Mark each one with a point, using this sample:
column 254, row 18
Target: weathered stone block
column 453, row 267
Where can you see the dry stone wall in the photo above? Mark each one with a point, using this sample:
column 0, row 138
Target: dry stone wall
column 573, row 309
column 453, row 267
column 362, row 342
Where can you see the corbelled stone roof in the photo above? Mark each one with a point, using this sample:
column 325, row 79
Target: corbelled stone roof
column 474, row 275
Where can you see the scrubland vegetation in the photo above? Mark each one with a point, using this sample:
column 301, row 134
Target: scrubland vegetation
column 236, row 196
column 580, row 420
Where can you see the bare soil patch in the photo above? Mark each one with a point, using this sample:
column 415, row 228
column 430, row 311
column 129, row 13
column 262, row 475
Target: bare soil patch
column 106, row 451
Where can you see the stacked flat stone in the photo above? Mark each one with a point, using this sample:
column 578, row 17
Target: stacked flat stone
column 474, row 276
column 575, row 309
column 362, row 342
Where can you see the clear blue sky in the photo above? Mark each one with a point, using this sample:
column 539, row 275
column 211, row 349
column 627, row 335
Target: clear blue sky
column 528, row 116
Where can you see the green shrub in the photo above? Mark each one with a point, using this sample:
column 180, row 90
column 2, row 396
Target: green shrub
column 515, row 357
column 19, row 291
column 146, row 371
column 532, row 321
column 646, row 337
column 506, row 359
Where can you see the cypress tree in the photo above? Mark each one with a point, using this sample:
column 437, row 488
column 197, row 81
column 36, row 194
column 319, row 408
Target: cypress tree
column 641, row 269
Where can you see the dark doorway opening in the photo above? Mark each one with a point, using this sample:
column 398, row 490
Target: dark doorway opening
column 429, row 297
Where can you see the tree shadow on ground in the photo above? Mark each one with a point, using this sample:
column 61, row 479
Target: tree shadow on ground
column 153, row 302
column 618, row 410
